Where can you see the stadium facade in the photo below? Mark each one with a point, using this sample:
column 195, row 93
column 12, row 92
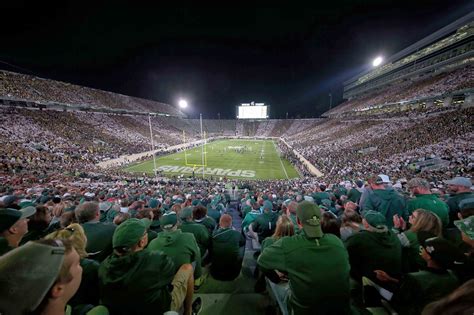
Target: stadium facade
column 446, row 50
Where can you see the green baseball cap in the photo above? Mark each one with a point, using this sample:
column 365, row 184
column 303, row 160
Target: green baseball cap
column 26, row 275
column 9, row 216
column 309, row 215
column 375, row 219
column 168, row 220
column 466, row 226
column 130, row 232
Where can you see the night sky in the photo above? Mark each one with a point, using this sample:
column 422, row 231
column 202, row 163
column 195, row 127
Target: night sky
column 215, row 56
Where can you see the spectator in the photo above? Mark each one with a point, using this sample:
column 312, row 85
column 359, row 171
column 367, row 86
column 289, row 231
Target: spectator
column 88, row 293
column 385, row 201
column 461, row 189
column 265, row 223
column 330, row 224
column 13, row 226
column 355, row 192
column 309, row 259
column 200, row 216
column 199, row 231
column 99, row 234
column 421, row 221
column 180, row 246
column 424, row 199
column 133, row 275
column 466, row 226
column 417, row 289
column 38, row 225
column 351, row 224
column 374, row 248
column 50, row 289
column 284, row 227
column 460, row 301
column 227, row 251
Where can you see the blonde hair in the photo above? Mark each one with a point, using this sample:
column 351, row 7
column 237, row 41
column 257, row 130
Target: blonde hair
column 284, row 227
column 73, row 233
column 427, row 221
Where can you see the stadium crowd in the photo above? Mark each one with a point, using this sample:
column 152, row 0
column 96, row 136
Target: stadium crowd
column 407, row 90
column 142, row 245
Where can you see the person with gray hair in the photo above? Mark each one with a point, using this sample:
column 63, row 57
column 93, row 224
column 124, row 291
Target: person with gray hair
column 424, row 199
column 461, row 189
column 99, row 234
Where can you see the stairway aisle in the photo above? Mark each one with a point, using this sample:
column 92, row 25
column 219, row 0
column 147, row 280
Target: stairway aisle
column 237, row 296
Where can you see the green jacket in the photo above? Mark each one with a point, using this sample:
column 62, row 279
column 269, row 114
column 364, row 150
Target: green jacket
column 388, row 202
column 249, row 218
column 227, row 252
column 99, row 239
column 369, row 251
column 264, row 225
column 200, row 234
column 418, row 289
column 310, row 263
column 139, row 283
column 180, row 246
column 453, row 203
column 431, row 203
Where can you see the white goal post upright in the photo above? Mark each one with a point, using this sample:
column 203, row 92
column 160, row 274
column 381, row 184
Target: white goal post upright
column 152, row 145
column 202, row 146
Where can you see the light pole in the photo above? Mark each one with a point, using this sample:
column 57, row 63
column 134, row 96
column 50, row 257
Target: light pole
column 152, row 145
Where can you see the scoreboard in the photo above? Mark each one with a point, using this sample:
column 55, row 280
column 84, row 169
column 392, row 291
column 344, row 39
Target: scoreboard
column 252, row 111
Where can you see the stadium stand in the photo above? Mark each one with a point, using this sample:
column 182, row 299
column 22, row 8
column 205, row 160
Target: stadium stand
column 387, row 228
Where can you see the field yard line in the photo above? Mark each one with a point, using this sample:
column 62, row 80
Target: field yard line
column 279, row 158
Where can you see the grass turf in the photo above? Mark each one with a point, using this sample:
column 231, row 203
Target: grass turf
column 259, row 160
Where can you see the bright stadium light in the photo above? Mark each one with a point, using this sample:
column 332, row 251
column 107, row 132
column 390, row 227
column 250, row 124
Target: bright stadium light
column 377, row 61
column 183, row 103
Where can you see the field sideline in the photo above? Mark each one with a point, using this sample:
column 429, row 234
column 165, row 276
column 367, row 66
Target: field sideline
column 243, row 159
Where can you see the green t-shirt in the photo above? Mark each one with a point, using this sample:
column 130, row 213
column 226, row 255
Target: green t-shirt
column 317, row 269
column 431, row 203
column 99, row 239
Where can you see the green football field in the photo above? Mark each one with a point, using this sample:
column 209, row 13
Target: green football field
column 243, row 159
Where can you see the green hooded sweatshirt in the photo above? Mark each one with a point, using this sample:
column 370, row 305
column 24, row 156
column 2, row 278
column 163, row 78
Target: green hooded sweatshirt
column 369, row 251
column 227, row 252
column 180, row 246
column 200, row 234
column 139, row 283
column 388, row 202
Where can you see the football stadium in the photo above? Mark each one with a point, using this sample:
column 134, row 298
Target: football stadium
column 248, row 161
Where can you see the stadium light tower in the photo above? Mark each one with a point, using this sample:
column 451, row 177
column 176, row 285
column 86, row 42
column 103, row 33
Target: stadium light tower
column 377, row 61
column 183, row 103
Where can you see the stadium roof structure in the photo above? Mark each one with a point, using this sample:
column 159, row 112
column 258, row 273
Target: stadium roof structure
column 459, row 31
